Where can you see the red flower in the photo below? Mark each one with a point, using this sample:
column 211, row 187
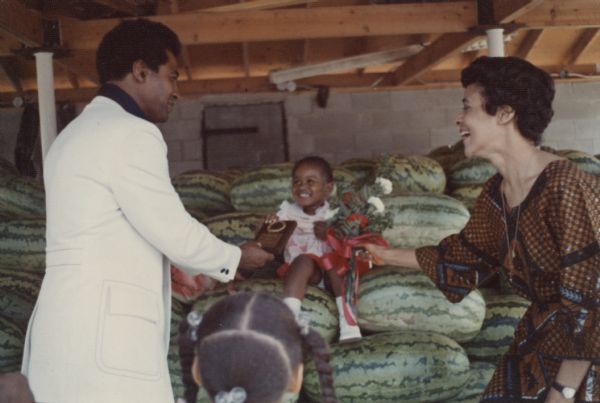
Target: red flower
column 362, row 220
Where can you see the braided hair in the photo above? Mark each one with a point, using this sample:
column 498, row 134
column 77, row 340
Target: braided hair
column 251, row 341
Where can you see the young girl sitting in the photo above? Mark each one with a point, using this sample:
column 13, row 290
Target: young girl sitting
column 249, row 348
column 312, row 183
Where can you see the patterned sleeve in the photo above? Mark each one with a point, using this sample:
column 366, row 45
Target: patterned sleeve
column 574, row 217
column 463, row 261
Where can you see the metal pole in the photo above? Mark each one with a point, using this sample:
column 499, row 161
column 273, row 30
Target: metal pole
column 495, row 42
column 46, row 100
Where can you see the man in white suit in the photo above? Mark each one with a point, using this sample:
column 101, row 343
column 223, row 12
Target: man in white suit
column 99, row 332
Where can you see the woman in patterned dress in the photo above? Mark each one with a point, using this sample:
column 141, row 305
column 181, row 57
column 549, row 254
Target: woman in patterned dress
column 539, row 217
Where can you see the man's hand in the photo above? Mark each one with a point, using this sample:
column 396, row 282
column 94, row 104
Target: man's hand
column 320, row 230
column 253, row 256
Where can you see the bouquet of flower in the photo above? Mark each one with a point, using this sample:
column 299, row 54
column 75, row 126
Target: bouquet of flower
column 360, row 218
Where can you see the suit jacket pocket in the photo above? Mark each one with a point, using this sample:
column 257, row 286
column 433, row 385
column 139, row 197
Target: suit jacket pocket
column 129, row 333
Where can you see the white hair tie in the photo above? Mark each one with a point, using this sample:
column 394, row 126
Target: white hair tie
column 235, row 395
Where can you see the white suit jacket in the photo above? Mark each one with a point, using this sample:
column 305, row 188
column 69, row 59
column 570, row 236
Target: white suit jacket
column 99, row 332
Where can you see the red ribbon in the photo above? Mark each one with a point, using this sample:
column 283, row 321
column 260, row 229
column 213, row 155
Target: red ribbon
column 342, row 251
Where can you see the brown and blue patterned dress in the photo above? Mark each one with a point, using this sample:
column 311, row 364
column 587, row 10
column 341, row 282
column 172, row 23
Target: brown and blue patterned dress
column 556, row 267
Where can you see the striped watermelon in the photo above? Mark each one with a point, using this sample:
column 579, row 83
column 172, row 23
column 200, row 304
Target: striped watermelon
column 178, row 311
column 22, row 244
column 403, row 366
column 389, row 295
column 447, row 156
column 467, row 195
column 12, row 336
column 235, row 228
column 204, row 190
column 21, row 196
column 318, row 304
column 470, row 171
column 18, row 292
column 480, row 374
column 503, row 312
column 423, row 219
column 263, row 189
column 584, row 161
column 413, row 174
column 197, row 213
column 362, row 168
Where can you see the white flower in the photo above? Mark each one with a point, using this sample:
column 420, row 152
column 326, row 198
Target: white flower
column 385, row 185
column 377, row 203
column 330, row 214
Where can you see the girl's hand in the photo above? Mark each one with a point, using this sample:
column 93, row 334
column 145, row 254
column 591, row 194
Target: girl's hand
column 320, row 230
column 271, row 218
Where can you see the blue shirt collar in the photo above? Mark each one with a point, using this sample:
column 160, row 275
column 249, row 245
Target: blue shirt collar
column 121, row 97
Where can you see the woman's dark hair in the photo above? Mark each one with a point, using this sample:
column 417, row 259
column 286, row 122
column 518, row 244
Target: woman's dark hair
column 517, row 83
column 252, row 341
column 318, row 162
column 134, row 40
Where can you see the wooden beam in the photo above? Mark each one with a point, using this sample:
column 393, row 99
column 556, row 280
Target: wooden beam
column 185, row 52
column 528, row 43
column 80, row 63
column 123, row 6
column 72, row 77
column 21, row 23
column 506, row 11
column 587, row 37
column 563, row 13
column 451, row 43
column 292, row 24
column 345, row 64
column 256, row 5
column 11, row 77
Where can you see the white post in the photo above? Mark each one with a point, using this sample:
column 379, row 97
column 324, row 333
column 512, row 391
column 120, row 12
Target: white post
column 46, row 101
column 495, row 42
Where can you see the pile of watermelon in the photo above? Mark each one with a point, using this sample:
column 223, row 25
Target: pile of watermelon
column 417, row 346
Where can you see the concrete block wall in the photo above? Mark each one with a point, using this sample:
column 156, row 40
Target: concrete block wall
column 362, row 124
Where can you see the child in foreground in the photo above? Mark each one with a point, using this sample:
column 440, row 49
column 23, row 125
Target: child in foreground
column 249, row 348
column 312, row 183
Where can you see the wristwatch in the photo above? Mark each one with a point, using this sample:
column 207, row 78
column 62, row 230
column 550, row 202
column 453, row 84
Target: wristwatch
column 567, row 392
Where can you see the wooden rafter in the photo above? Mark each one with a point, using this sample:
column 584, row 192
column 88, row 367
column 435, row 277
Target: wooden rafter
column 257, row 5
column 449, row 44
column 509, row 10
column 587, row 37
column 562, row 13
column 532, row 37
column 11, row 77
column 446, row 46
column 347, row 63
column 185, row 53
column 123, row 6
column 293, row 24
column 12, row 15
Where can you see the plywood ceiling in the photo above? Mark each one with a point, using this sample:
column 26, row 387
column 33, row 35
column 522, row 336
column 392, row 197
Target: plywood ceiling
column 236, row 46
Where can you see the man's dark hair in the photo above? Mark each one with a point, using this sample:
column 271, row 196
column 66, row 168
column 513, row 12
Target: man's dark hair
column 134, row 40
column 517, row 83
column 318, row 162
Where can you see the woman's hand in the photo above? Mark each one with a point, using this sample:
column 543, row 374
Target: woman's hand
column 554, row 396
column 380, row 255
column 320, row 230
